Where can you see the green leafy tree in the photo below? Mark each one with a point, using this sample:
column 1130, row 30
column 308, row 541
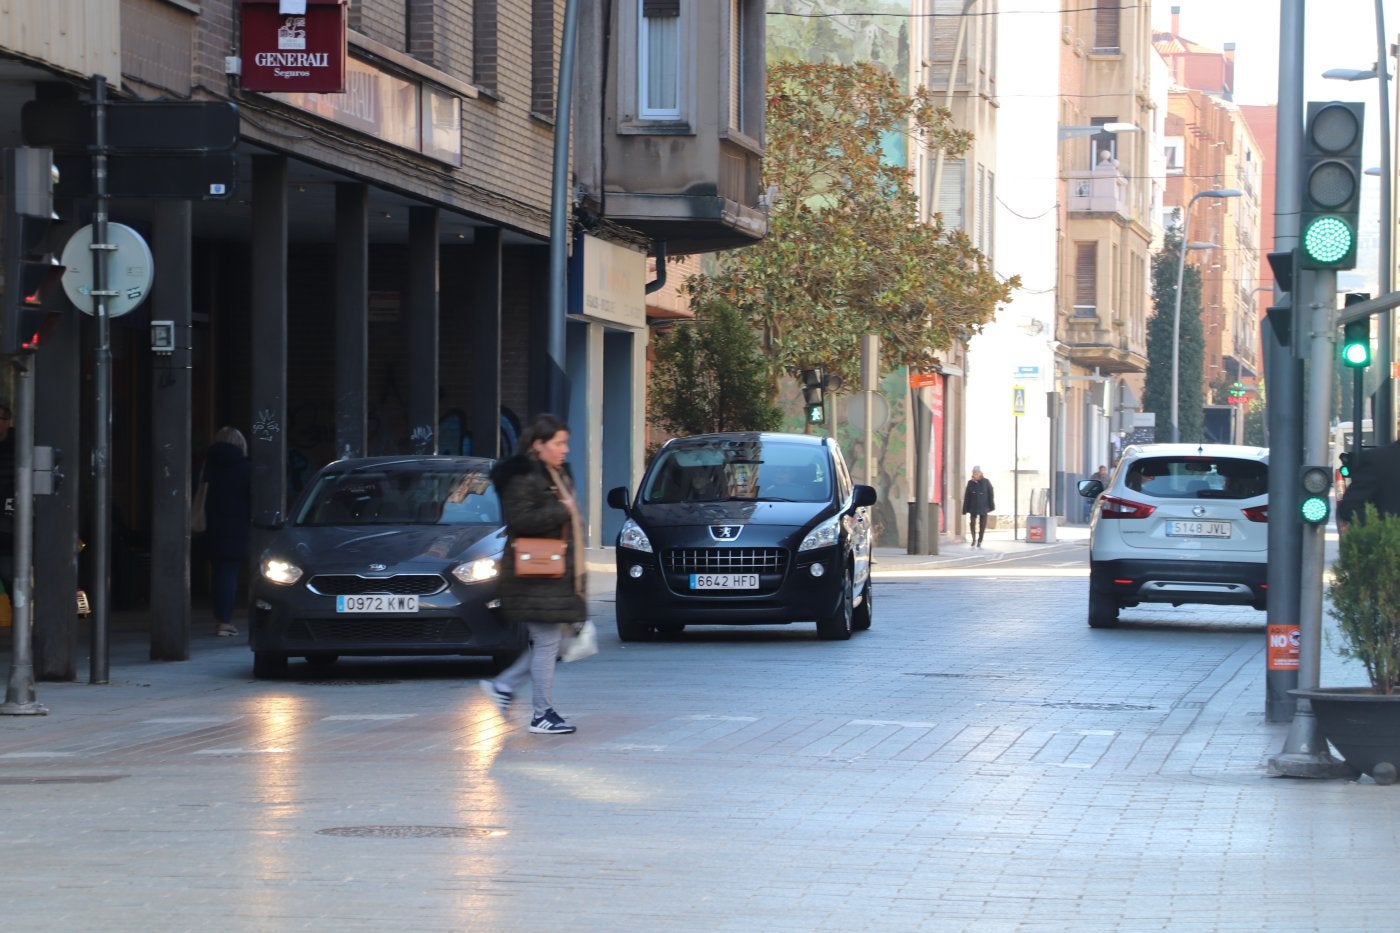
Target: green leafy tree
column 1157, row 392
column 846, row 253
column 708, row 375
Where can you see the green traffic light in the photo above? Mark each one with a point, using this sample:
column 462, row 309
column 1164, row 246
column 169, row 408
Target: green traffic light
column 816, row 414
column 1315, row 510
column 1356, row 343
column 1328, row 239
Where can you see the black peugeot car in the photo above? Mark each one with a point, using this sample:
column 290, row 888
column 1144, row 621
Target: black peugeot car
column 384, row 556
column 744, row 529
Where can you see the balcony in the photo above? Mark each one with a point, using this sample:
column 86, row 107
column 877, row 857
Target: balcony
column 1101, row 191
column 1096, row 342
column 703, row 196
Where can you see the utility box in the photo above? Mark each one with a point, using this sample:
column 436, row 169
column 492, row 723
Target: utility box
column 1040, row 529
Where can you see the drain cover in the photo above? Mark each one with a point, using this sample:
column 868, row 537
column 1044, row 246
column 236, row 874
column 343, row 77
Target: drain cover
column 409, row 832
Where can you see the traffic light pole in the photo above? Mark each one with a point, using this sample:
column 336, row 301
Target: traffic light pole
column 19, row 693
column 1305, row 752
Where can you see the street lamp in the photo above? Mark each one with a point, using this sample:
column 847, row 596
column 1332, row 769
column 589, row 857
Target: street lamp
column 1384, row 416
column 1186, row 244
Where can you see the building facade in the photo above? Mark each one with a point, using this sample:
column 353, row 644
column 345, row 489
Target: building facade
column 379, row 276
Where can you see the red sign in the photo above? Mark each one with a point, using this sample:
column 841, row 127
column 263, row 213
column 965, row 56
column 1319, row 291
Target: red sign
column 294, row 51
column 1284, row 644
column 922, row 380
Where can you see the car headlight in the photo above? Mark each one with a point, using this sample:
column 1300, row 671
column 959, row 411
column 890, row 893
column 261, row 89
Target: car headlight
column 632, row 536
column 824, row 535
column 477, row 571
column 279, row 571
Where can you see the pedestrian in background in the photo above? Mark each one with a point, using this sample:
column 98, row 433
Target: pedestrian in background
column 1101, row 474
column 227, row 521
column 978, row 500
column 537, row 498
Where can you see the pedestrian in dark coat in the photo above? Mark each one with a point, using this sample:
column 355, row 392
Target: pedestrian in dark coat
column 1376, row 481
column 977, row 502
column 227, row 520
column 537, row 497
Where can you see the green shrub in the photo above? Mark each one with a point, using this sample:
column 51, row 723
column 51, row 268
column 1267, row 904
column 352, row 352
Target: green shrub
column 1365, row 596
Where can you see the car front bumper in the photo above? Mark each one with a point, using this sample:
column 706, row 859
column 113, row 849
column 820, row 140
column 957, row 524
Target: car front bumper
column 298, row 623
column 795, row 595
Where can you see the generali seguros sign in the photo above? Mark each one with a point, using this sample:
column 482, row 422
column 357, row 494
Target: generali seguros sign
column 294, row 45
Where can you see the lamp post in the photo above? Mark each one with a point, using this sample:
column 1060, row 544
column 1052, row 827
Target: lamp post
column 1186, row 244
column 1384, row 415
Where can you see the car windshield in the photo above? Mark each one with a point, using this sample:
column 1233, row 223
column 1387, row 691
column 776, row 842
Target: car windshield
column 401, row 496
column 730, row 469
column 1198, row 477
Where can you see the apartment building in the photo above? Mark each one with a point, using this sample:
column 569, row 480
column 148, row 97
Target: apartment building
column 378, row 275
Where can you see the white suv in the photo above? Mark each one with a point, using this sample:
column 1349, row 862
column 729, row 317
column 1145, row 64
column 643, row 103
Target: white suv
column 1179, row 523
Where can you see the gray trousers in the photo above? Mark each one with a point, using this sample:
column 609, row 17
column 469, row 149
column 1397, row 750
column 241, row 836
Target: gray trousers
column 537, row 661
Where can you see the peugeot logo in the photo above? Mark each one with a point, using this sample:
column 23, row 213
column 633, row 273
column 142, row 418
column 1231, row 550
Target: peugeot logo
column 1198, row 510
column 725, row 532
column 378, row 568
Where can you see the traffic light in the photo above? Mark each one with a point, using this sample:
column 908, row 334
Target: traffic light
column 1316, row 482
column 1331, row 185
column 813, row 386
column 1280, row 313
column 1344, row 471
column 32, row 273
column 1356, row 343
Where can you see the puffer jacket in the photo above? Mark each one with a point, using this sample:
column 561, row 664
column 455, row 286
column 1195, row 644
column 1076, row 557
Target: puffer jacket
column 532, row 510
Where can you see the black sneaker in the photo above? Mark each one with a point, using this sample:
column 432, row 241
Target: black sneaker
column 552, row 723
column 498, row 696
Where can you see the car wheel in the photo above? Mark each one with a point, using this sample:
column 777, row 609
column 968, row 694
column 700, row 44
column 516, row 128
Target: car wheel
column 322, row 662
column 837, row 626
column 1103, row 610
column 267, row 665
column 864, row 612
column 629, row 629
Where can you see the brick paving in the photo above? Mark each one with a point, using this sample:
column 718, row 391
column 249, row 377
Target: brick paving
column 979, row 760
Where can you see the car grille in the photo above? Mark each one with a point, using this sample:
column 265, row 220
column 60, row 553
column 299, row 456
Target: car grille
column 404, row 584
column 373, row 630
column 726, row 560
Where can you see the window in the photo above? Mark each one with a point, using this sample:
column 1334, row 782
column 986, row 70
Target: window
column 659, row 59
column 1107, row 15
column 542, row 57
column 484, row 45
column 951, row 192
column 1086, row 279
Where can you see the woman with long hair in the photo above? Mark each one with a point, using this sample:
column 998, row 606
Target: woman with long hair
column 537, row 497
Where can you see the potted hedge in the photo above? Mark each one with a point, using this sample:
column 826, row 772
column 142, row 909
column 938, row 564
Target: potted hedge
column 1364, row 722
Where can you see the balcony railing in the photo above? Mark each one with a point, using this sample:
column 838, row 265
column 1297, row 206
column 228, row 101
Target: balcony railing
column 1102, row 191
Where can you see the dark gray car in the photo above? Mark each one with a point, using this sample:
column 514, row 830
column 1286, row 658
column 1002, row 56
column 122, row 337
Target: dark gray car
column 745, row 529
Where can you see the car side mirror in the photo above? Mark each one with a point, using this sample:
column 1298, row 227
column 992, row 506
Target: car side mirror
column 618, row 498
column 1090, row 488
column 864, row 495
column 270, row 520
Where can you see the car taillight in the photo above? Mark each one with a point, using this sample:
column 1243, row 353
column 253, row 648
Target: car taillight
column 1257, row 513
column 1114, row 507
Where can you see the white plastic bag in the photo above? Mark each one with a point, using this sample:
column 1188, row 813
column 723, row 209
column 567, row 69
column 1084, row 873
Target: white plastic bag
column 579, row 641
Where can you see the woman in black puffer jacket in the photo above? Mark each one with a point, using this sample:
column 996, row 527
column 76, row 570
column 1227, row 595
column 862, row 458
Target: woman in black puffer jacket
column 537, row 496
